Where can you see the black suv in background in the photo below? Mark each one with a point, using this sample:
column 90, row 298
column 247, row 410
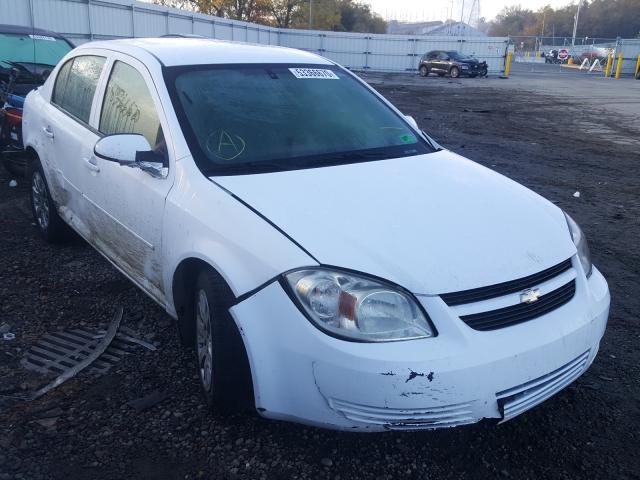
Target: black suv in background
column 454, row 63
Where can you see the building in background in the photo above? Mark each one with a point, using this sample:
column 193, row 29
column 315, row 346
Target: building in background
column 436, row 28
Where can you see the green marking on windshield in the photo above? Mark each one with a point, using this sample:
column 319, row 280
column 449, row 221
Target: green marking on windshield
column 408, row 138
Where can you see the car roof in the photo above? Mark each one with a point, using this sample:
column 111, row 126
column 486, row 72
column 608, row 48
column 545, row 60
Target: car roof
column 22, row 30
column 204, row 51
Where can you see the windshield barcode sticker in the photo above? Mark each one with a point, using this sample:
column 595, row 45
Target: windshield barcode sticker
column 313, row 73
column 42, row 37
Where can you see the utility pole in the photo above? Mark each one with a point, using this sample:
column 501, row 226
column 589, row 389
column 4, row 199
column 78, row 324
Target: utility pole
column 310, row 14
column 575, row 23
column 462, row 13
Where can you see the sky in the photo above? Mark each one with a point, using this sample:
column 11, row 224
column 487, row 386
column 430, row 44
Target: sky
column 427, row 10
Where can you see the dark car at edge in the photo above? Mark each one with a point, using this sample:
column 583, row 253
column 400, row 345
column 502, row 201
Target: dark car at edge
column 27, row 57
column 452, row 63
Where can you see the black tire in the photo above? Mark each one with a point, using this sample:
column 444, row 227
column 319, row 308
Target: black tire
column 229, row 387
column 454, row 72
column 483, row 72
column 45, row 214
column 424, row 71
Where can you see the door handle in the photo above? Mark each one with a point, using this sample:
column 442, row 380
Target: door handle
column 47, row 131
column 90, row 165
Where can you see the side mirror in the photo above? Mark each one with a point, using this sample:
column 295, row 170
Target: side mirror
column 121, row 148
column 130, row 150
column 412, row 121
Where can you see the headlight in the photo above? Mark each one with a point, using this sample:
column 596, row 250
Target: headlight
column 581, row 244
column 357, row 308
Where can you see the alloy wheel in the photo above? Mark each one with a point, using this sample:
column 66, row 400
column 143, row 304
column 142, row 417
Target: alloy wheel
column 204, row 341
column 40, row 200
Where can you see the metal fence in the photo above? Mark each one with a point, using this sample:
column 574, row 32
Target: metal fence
column 530, row 49
column 85, row 20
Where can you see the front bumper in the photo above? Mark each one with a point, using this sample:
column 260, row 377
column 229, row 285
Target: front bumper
column 459, row 377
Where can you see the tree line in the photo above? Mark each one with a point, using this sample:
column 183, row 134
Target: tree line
column 597, row 19
column 335, row 15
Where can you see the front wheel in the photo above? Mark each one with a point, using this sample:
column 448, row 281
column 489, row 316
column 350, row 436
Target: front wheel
column 49, row 224
column 424, row 71
column 454, row 72
column 221, row 360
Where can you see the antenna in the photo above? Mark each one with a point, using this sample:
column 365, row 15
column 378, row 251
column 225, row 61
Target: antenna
column 474, row 14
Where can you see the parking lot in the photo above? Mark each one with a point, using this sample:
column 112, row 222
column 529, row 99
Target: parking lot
column 575, row 139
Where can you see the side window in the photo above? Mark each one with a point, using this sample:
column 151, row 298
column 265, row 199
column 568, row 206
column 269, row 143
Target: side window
column 128, row 107
column 443, row 56
column 61, row 83
column 432, row 55
column 76, row 84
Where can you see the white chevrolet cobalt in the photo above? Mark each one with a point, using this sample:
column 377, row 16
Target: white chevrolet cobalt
column 328, row 261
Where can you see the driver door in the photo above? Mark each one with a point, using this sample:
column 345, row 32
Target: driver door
column 129, row 202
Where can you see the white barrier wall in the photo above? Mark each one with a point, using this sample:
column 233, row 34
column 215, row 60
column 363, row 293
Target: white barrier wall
column 85, row 20
column 630, row 49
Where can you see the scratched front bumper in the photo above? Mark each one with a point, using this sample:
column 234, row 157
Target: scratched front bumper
column 301, row 374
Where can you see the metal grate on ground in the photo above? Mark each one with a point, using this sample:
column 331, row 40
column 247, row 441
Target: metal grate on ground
column 58, row 352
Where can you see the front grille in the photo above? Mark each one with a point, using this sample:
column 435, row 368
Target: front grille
column 500, row 289
column 512, row 315
column 516, row 400
column 407, row 418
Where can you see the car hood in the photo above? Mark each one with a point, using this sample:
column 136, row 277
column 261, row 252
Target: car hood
column 432, row 223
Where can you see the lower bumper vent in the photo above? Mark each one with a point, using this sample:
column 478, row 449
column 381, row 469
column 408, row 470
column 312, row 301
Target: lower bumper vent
column 517, row 400
column 406, row 419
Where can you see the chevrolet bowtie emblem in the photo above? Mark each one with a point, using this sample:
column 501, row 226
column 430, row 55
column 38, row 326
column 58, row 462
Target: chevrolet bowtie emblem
column 530, row 295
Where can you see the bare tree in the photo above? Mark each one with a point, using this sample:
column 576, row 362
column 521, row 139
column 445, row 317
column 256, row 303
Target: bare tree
column 283, row 11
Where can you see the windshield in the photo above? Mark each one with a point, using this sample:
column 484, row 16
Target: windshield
column 28, row 50
column 241, row 119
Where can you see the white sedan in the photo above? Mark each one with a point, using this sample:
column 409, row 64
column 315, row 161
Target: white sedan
column 327, row 260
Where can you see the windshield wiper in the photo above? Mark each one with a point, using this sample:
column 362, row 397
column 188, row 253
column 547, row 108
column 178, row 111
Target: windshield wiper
column 247, row 168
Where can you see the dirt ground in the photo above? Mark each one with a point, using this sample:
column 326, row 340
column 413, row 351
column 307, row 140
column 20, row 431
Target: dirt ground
column 85, row 429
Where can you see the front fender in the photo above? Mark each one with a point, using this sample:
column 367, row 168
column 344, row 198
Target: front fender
column 204, row 222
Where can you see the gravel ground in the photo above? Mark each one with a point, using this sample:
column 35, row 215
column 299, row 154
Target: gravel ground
column 86, row 429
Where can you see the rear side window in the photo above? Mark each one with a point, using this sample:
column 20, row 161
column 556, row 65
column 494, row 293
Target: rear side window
column 128, row 107
column 61, row 83
column 76, row 85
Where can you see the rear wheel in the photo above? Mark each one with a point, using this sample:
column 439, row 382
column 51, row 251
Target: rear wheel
column 49, row 224
column 454, row 72
column 221, row 359
column 424, row 70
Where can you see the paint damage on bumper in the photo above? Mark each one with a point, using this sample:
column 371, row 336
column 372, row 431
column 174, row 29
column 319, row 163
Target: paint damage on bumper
column 459, row 377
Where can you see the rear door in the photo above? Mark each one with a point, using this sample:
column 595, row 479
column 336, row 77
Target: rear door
column 128, row 202
column 69, row 135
